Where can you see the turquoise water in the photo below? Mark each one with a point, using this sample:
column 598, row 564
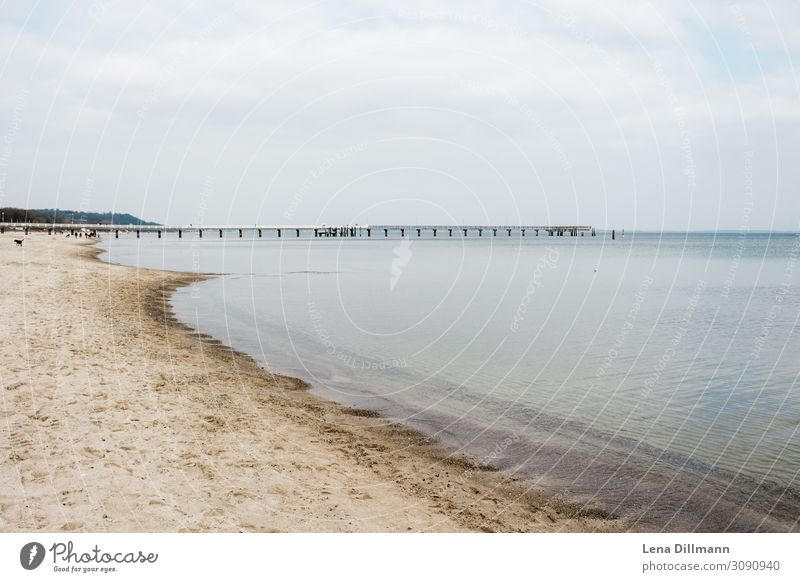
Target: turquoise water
column 655, row 376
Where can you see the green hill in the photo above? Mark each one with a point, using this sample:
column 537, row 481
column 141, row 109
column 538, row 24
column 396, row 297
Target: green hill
column 70, row 216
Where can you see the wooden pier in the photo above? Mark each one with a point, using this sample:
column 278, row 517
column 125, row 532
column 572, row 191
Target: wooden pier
column 310, row 231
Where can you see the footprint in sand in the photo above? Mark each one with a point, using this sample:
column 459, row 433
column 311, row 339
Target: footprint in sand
column 19, row 441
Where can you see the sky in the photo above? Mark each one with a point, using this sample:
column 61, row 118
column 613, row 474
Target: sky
column 653, row 115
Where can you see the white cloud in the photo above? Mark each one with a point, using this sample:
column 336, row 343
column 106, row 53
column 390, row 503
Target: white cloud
column 147, row 101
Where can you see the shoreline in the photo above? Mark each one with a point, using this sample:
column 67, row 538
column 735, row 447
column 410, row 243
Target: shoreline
column 224, row 444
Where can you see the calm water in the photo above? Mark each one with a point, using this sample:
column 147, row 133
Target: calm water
column 655, row 376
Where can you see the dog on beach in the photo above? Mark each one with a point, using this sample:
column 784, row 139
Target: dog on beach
column 18, row 241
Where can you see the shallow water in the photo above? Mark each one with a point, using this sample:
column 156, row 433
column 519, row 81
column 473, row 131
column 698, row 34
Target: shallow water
column 655, row 376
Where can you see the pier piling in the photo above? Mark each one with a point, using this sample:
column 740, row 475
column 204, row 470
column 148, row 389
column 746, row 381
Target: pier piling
column 162, row 230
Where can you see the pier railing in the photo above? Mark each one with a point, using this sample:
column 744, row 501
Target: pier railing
column 318, row 230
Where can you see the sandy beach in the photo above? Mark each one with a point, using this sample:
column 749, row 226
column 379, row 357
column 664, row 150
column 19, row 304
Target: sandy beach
column 115, row 417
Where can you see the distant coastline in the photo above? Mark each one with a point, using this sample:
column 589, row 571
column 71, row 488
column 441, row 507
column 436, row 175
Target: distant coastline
column 77, row 217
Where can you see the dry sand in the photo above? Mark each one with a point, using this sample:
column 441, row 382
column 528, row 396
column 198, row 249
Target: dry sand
column 115, row 417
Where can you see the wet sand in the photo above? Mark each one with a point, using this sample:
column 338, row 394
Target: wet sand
column 116, row 417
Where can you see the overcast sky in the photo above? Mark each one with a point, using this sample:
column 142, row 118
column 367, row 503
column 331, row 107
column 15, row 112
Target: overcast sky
column 674, row 115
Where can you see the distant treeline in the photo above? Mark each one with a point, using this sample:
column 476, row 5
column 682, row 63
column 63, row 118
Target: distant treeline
column 69, row 216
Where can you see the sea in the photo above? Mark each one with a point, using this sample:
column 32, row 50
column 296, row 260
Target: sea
column 653, row 376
